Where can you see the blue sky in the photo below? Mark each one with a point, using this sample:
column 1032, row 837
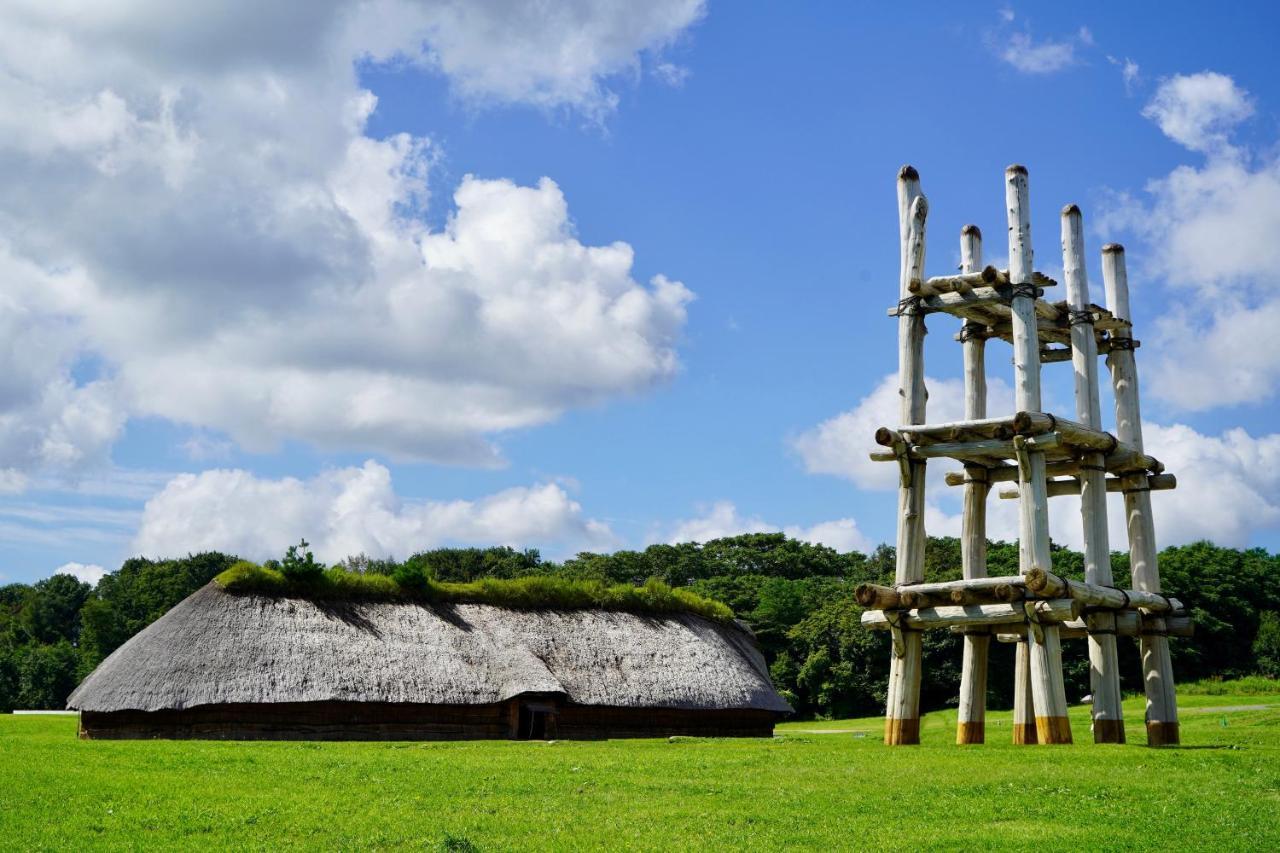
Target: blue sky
column 395, row 275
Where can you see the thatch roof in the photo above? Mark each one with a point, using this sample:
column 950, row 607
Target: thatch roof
column 217, row 647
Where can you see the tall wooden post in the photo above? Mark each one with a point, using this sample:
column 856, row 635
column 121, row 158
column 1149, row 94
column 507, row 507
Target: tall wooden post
column 971, row 720
column 902, row 716
column 1157, row 669
column 1104, row 670
column 1043, row 645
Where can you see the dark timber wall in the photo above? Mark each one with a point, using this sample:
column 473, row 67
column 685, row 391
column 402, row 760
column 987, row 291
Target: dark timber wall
column 386, row 721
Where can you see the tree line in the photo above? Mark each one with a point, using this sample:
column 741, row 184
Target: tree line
column 796, row 596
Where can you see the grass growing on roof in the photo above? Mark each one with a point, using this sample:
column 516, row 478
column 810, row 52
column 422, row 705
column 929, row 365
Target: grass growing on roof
column 535, row 592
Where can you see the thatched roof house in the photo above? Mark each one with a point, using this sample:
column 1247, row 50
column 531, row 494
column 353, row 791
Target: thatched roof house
column 233, row 665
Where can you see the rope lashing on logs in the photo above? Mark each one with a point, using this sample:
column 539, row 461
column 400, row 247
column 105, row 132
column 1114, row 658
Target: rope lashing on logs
column 1032, row 617
column 908, row 307
column 972, row 332
column 1084, row 467
column 1016, row 290
column 896, row 630
column 1123, row 592
column 1076, row 318
column 1124, row 344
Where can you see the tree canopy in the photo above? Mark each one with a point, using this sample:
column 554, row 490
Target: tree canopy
column 797, row 596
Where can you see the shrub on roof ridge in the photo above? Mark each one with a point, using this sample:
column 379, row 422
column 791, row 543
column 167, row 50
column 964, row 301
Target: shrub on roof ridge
column 533, row 592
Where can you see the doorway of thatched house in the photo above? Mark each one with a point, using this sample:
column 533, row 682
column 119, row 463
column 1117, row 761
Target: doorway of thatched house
column 536, row 721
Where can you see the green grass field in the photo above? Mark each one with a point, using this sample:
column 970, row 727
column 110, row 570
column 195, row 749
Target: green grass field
column 803, row 789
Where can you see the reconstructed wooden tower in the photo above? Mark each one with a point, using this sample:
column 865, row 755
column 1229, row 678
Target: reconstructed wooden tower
column 1045, row 455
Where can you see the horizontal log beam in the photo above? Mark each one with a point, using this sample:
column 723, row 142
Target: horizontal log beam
column 1049, row 585
column 983, row 440
column 1059, row 610
column 1155, row 482
column 1009, row 473
column 1128, row 623
column 1049, row 356
column 987, row 277
column 1008, row 588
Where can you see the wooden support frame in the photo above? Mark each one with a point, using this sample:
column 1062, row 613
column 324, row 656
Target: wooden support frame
column 1044, row 651
column 972, row 712
column 1157, row 668
column 1044, row 455
column 902, row 712
column 1104, row 666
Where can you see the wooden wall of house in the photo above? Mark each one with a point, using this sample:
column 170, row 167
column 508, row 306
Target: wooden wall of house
column 384, row 721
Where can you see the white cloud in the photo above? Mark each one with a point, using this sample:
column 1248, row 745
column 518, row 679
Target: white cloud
column 842, row 534
column 1037, row 57
column 1130, row 72
column 192, row 205
column 545, row 54
column 86, row 573
column 1209, row 232
column 841, row 445
column 350, row 511
column 722, row 519
column 1198, row 110
column 1228, row 485
column 1228, row 490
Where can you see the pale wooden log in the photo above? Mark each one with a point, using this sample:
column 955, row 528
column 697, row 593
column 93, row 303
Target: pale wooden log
column 971, row 715
column 986, row 451
column 1026, row 350
column 1001, row 427
column 1047, row 611
column 989, row 277
column 902, row 713
column 1048, row 356
column 972, row 709
column 1157, row 667
column 1128, row 623
column 1044, row 653
column 996, row 303
column 972, row 584
column 999, row 473
column 1035, row 582
column 1049, row 585
column 1024, row 715
column 877, row 597
column 1104, row 667
column 1155, row 482
column 968, row 280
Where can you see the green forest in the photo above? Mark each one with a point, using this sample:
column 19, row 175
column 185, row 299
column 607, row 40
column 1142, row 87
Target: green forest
column 797, row 597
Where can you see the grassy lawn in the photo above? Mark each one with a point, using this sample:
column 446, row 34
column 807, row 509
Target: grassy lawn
column 800, row 790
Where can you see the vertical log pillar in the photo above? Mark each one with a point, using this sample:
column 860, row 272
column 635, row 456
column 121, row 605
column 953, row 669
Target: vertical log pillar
column 1104, row 670
column 902, row 714
column 1157, row 669
column 971, row 721
column 1043, row 645
column 1024, row 719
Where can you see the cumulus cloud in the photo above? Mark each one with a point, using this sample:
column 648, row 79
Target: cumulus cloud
column 840, row 445
column 85, row 573
column 350, row 511
column 1228, row 484
column 549, row 55
column 1208, row 231
column 1228, row 490
column 722, row 519
column 190, row 204
column 1198, row 110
